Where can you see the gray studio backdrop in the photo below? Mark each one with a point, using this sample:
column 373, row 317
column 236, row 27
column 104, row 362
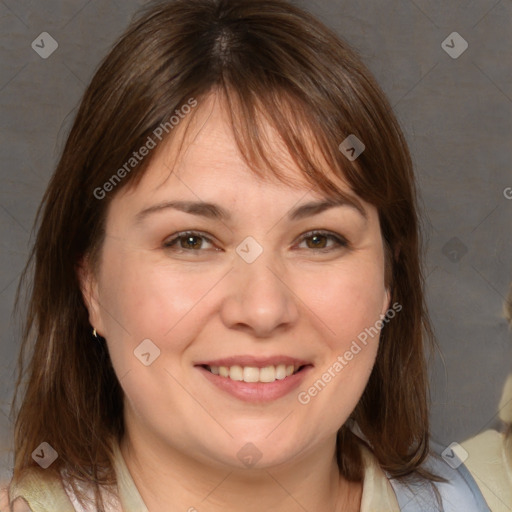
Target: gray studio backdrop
column 446, row 67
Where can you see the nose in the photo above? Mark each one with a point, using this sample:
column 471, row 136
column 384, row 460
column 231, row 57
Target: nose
column 258, row 300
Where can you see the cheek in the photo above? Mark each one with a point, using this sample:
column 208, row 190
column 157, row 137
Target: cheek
column 141, row 300
column 349, row 303
column 347, row 300
column 146, row 297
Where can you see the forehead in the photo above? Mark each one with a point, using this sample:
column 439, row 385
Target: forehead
column 204, row 147
column 203, row 169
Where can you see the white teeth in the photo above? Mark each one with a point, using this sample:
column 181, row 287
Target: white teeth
column 253, row 374
column 268, row 374
column 236, row 373
column 281, row 371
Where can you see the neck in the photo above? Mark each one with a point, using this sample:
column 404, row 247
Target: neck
column 167, row 478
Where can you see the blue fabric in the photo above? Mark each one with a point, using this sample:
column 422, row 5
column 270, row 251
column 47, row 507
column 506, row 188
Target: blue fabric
column 460, row 494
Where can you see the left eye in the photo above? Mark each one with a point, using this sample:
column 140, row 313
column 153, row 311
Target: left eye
column 319, row 240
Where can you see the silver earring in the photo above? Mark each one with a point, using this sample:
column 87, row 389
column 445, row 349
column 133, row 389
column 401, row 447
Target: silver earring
column 94, row 333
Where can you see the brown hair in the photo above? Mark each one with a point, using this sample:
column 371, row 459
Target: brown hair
column 272, row 62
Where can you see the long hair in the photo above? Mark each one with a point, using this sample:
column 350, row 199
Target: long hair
column 274, row 63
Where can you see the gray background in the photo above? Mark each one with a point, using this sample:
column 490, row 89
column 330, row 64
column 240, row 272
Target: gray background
column 457, row 116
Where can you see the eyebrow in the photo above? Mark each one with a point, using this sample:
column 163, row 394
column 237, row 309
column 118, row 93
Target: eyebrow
column 216, row 212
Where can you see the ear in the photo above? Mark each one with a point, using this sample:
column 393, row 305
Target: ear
column 386, row 300
column 390, row 258
column 89, row 288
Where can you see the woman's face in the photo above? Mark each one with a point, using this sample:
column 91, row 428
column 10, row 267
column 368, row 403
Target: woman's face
column 254, row 286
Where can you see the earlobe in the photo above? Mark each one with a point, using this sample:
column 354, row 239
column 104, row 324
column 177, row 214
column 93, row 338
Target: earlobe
column 387, row 301
column 89, row 289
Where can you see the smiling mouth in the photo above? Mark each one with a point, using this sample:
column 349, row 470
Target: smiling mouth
column 267, row 374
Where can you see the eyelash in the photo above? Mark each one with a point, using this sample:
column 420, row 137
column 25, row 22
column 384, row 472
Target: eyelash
column 339, row 240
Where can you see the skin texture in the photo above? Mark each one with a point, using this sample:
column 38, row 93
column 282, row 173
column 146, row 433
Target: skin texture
column 197, row 304
column 19, row 505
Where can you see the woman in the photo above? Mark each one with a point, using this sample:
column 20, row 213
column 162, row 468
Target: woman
column 227, row 302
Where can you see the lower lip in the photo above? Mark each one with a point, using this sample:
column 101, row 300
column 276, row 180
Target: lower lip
column 257, row 392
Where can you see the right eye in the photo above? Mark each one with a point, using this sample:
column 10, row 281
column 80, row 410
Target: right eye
column 189, row 241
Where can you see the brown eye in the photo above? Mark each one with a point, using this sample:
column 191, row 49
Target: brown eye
column 188, row 241
column 317, row 241
column 191, row 242
column 320, row 240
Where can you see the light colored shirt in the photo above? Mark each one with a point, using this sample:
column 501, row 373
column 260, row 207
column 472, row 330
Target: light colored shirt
column 490, row 458
column 45, row 495
column 490, row 463
column 50, row 496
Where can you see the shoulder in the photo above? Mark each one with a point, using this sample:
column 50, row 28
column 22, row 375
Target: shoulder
column 489, row 459
column 19, row 505
column 459, row 492
column 38, row 491
column 489, row 456
column 417, row 493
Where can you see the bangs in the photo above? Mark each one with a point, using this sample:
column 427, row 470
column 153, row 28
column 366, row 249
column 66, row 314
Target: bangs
column 276, row 133
column 270, row 122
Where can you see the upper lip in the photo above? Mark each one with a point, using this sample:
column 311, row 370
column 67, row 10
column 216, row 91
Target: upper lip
column 255, row 362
